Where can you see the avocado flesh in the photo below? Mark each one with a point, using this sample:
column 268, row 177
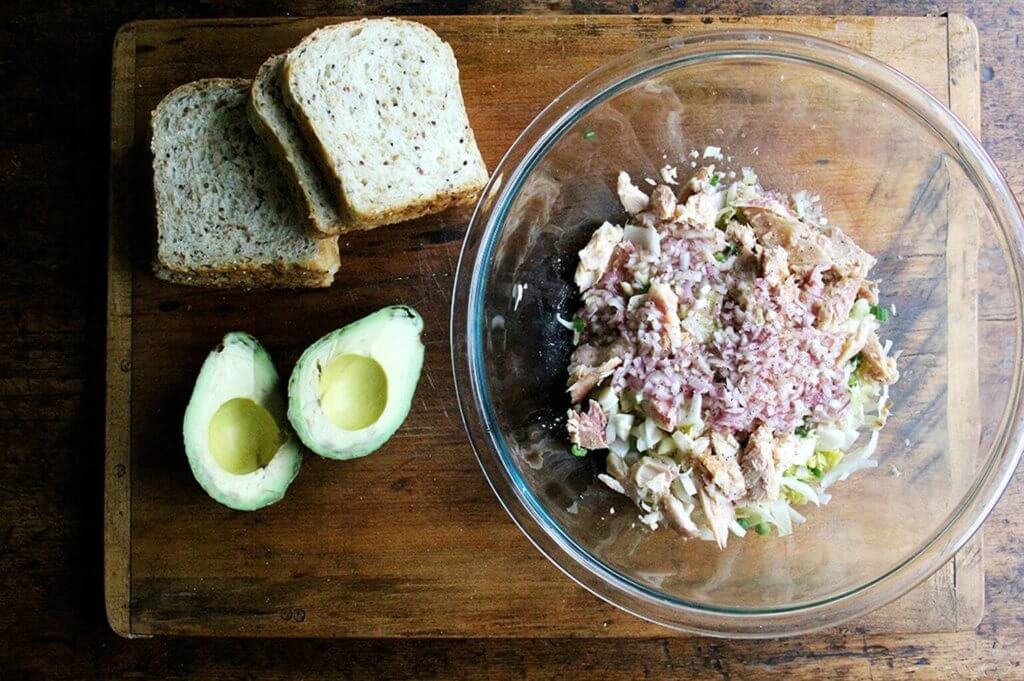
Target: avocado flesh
column 352, row 389
column 236, row 436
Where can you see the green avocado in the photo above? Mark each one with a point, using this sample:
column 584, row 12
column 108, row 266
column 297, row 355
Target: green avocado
column 352, row 389
column 236, row 434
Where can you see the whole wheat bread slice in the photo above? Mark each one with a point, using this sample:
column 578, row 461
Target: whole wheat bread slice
column 273, row 121
column 380, row 103
column 225, row 215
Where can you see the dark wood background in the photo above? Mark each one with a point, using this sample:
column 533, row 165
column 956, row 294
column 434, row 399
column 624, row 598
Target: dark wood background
column 53, row 157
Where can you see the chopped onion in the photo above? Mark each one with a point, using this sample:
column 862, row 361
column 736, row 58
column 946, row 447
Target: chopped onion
column 686, row 480
column 652, row 433
column 651, row 519
column 623, row 423
column 718, row 200
column 852, row 462
column 781, row 518
column 608, row 400
column 730, row 197
column 693, row 415
column 802, row 488
column 683, row 442
column 804, row 449
column 666, row 446
column 618, row 446
column 832, row 439
column 611, row 482
column 645, row 238
column 617, row 466
column 756, row 513
column 564, row 322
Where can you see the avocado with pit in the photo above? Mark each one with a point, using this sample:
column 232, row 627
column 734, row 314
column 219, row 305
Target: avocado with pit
column 352, row 389
column 237, row 439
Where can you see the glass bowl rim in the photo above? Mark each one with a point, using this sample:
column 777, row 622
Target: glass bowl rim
column 467, row 329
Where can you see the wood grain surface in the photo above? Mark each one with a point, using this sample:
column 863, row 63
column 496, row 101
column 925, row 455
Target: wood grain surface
column 411, row 542
column 53, row 157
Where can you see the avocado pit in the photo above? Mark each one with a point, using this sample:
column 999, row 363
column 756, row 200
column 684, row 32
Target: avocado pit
column 243, row 436
column 353, row 391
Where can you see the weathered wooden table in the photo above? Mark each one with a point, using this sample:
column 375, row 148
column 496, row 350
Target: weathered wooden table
column 52, row 163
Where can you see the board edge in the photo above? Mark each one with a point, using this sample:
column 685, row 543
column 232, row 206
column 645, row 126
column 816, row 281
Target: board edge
column 962, row 261
column 711, row 21
column 117, row 427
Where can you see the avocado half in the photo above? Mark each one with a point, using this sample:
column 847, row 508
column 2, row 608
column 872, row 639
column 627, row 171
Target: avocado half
column 352, row 389
column 236, row 434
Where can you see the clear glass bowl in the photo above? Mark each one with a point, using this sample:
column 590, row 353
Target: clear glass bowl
column 895, row 169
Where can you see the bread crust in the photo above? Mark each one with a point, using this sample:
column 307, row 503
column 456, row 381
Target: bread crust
column 464, row 194
column 317, row 271
column 265, row 276
column 258, row 118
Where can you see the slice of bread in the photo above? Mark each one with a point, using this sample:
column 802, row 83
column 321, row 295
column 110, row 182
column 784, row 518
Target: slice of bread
column 225, row 215
column 271, row 118
column 265, row 278
column 380, row 103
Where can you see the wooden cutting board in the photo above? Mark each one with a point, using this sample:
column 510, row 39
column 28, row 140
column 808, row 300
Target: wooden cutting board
column 410, row 541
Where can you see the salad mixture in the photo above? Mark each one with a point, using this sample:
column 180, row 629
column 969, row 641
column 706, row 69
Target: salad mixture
column 727, row 355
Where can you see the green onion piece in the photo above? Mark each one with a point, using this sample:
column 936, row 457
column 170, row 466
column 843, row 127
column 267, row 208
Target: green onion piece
column 762, row 529
column 880, row 313
column 855, row 363
column 726, row 253
column 645, row 285
column 578, row 451
column 589, row 135
column 816, row 472
column 802, row 431
column 743, row 522
column 723, row 217
column 714, row 179
column 577, row 325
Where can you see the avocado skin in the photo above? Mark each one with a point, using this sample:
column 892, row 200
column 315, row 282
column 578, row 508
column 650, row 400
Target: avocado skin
column 392, row 336
column 265, row 486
